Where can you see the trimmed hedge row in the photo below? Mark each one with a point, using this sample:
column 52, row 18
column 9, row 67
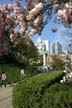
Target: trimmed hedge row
column 29, row 93
column 57, row 96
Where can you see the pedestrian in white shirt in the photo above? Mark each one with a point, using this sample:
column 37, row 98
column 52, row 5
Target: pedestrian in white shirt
column 3, row 79
column 22, row 72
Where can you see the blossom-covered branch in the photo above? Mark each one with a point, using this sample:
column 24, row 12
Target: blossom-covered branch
column 34, row 17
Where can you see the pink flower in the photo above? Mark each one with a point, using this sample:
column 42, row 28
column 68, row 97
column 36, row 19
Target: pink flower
column 39, row 6
column 3, row 8
column 65, row 14
column 20, row 17
column 9, row 7
column 32, row 11
column 38, row 20
column 27, row 33
column 33, row 31
column 30, row 33
column 22, row 29
column 29, row 17
column 12, row 37
column 36, row 10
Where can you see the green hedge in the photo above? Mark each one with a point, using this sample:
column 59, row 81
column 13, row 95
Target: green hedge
column 57, row 96
column 29, row 93
column 12, row 72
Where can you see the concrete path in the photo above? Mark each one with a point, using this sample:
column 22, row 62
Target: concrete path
column 6, row 97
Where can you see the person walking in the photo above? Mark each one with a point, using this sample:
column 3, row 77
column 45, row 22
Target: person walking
column 22, row 74
column 3, row 79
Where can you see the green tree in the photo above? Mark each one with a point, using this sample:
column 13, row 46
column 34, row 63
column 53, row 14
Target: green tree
column 57, row 62
column 23, row 50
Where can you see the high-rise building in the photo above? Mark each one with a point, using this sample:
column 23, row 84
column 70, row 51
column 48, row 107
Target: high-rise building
column 43, row 48
column 46, row 45
column 56, row 48
column 43, row 45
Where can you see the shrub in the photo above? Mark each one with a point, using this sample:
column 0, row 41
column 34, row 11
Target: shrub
column 28, row 93
column 57, row 96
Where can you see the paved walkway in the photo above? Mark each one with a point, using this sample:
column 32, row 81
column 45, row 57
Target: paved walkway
column 6, row 97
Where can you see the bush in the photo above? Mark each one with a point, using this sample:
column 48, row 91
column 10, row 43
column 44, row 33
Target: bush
column 57, row 96
column 12, row 72
column 29, row 93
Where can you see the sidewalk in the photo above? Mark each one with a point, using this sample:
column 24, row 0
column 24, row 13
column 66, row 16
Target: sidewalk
column 6, row 97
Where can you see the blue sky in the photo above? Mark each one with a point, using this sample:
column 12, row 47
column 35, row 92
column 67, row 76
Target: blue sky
column 47, row 31
column 10, row 1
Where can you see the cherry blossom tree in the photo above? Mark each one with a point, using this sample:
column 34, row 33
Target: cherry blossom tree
column 34, row 17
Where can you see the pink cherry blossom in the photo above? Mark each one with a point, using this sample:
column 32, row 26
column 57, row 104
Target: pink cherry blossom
column 38, row 21
column 12, row 37
column 32, row 11
column 66, row 13
column 9, row 7
column 39, row 6
column 20, row 17
column 33, row 31
column 29, row 17
column 27, row 33
column 15, row 15
column 22, row 29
